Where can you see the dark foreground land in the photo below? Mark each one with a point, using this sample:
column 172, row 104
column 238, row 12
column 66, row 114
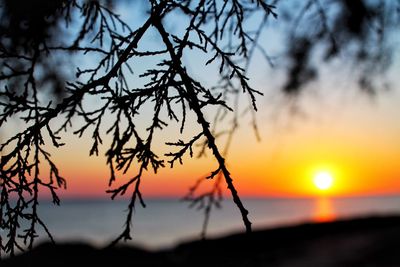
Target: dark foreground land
column 373, row 241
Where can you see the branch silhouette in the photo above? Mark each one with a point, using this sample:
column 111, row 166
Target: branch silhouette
column 46, row 100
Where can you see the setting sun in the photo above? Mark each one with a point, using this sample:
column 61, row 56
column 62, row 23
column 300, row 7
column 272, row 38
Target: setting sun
column 323, row 180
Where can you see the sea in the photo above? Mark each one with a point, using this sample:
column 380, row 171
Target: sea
column 165, row 223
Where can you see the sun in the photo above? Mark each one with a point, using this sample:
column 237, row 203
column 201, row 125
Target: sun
column 323, row 180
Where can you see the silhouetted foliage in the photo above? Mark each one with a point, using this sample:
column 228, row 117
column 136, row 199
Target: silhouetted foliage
column 357, row 29
column 41, row 38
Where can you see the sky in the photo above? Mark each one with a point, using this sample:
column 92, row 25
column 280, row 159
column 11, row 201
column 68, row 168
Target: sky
column 335, row 129
column 356, row 140
column 351, row 135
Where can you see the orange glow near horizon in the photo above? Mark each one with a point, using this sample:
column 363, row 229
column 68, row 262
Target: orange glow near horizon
column 289, row 176
column 362, row 158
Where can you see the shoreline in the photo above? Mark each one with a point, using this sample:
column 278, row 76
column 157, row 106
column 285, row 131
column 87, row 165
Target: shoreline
column 363, row 241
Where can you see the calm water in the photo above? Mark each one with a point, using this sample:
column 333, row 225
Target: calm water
column 165, row 223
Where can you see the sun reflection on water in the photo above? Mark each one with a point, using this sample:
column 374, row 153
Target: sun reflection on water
column 324, row 210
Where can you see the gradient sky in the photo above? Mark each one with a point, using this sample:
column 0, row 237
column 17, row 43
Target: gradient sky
column 337, row 129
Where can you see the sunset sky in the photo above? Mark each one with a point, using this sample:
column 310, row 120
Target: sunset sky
column 336, row 129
